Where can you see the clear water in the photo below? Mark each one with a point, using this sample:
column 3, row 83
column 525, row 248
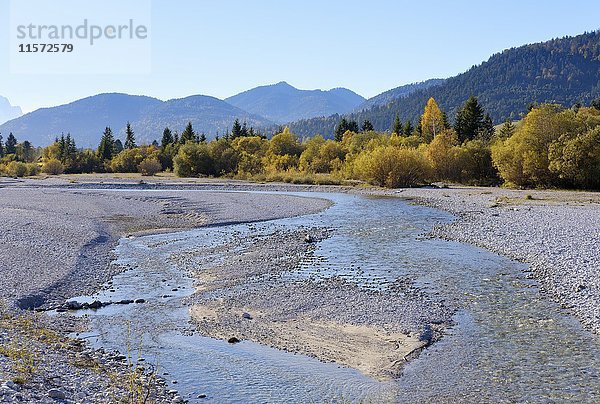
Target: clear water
column 508, row 344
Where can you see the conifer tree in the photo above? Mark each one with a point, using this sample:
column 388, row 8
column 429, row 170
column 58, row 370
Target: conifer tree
column 367, row 126
column 397, row 126
column 1, row 147
column 129, row 137
column 469, row 120
column 11, row 144
column 202, row 138
column 408, row 128
column 167, row 138
column 188, row 134
column 118, row 146
column 106, row 149
column 236, row 130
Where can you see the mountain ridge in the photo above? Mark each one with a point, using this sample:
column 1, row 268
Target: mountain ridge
column 86, row 118
column 282, row 102
column 562, row 70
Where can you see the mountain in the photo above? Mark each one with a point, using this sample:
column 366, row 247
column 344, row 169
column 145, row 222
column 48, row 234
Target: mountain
column 86, row 119
column 564, row 71
column 282, row 102
column 208, row 115
column 7, row 111
column 397, row 93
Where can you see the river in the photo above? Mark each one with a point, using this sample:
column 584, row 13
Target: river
column 508, row 343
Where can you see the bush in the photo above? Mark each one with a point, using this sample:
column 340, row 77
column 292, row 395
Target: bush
column 32, row 169
column 576, row 159
column 16, row 169
column 393, row 167
column 129, row 160
column 150, row 166
column 193, row 160
column 53, row 167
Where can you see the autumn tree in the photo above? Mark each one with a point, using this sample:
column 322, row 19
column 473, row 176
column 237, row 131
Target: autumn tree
column 432, row 120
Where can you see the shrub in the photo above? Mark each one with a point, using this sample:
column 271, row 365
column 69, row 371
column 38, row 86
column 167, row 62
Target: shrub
column 53, row 167
column 16, row 169
column 32, row 169
column 193, row 160
column 150, row 166
column 393, row 167
column 576, row 159
column 128, row 160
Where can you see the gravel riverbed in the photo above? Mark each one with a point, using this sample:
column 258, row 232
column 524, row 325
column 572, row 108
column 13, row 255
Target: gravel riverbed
column 57, row 237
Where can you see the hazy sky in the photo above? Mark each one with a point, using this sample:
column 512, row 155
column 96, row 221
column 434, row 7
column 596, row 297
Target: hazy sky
column 222, row 47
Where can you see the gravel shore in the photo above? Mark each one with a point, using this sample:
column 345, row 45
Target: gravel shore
column 556, row 232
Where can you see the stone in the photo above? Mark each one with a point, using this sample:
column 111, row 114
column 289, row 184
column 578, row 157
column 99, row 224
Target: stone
column 201, row 395
column 140, row 301
column 309, row 239
column 96, row 304
column 247, row 316
column 56, row 394
column 74, row 305
column 233, row 340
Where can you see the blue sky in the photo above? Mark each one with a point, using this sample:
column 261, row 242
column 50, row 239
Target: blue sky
column 220, row 48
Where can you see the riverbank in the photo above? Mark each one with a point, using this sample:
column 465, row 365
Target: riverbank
column 557, row 233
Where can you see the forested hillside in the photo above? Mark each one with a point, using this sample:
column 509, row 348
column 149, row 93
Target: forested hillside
column 564, row 71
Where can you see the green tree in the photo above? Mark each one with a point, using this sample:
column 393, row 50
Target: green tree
column 2, row 151
column 469, row 120
column 408, row 128
column 397, row 126
column 106, row 149
column 167, row 138
column 118, row 146
column 129, row 137
column 236, row 130
column 340, row 130
column 188, row 134
column 506, row 130
column 27, row 150
column 367, row 126
column 11, row 144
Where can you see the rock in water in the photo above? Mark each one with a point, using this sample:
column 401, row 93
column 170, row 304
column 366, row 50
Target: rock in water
column 233, row 340
column 96, row 304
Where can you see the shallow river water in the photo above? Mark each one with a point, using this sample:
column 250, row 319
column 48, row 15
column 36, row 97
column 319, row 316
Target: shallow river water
column 508, row 343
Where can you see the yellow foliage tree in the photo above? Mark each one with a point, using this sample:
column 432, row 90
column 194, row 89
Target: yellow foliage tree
column 432, row 120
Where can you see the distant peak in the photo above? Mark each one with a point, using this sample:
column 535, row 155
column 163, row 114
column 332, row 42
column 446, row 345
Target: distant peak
column 283, row 84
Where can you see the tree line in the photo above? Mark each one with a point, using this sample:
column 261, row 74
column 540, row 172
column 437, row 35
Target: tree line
column 552, row 146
